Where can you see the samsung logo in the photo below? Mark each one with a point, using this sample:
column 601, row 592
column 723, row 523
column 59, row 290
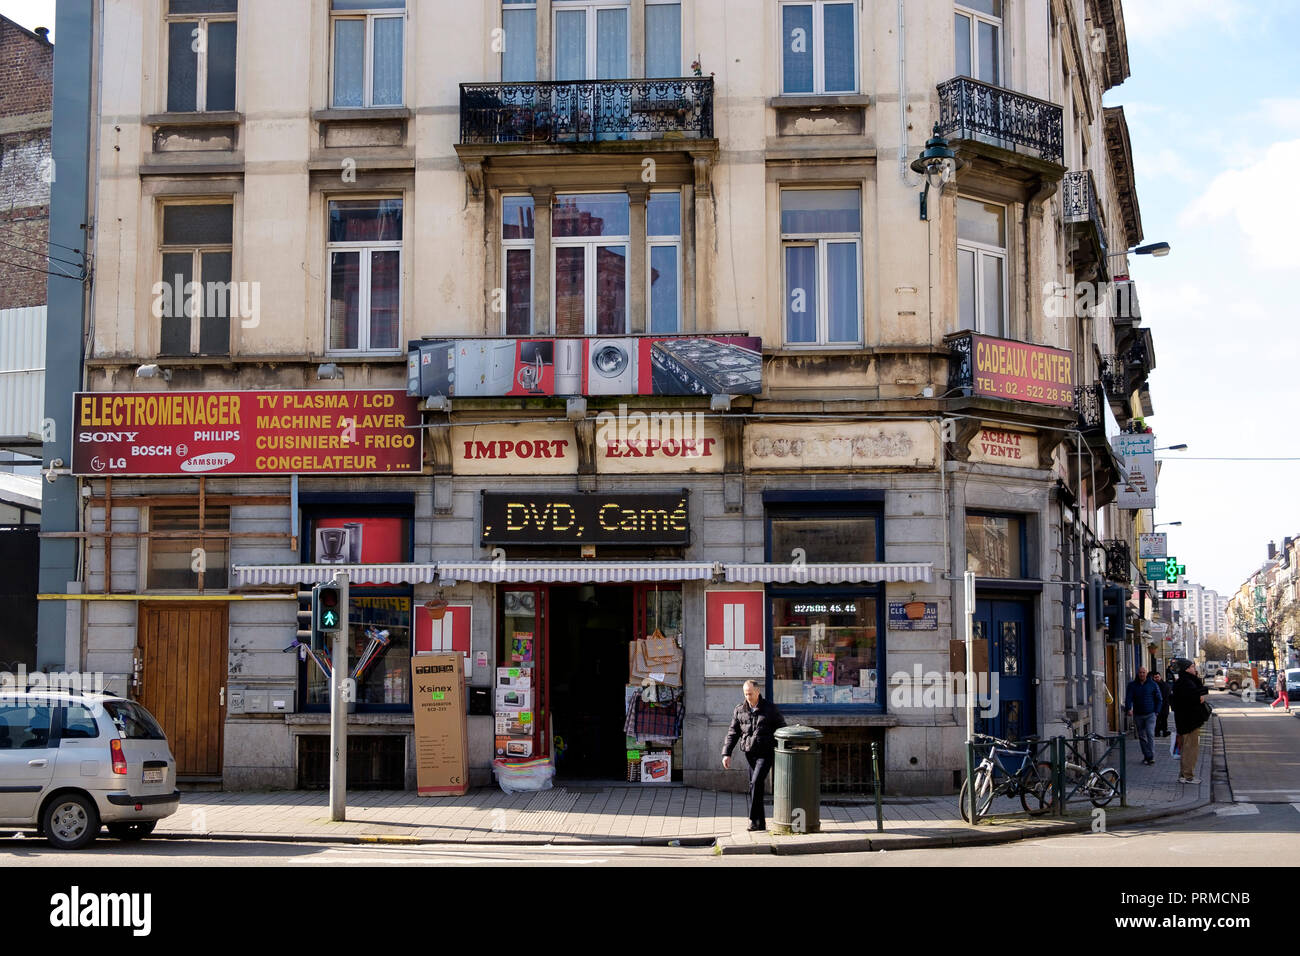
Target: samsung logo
column 207, row 462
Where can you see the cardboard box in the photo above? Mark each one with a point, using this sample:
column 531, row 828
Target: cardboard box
column 515, row 725
column 657, row 767
column 514, row 747
column 441, row 742
column 512, row 700
column 515, row 678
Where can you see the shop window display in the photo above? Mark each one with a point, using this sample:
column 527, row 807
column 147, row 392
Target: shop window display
column 825, row 650
column 379, row 652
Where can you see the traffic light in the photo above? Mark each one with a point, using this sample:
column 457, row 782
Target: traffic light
column 327, row 609
column 1113, row 608
column 306, row 617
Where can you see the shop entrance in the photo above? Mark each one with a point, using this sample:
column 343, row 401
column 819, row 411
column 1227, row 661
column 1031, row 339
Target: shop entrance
column 590, row 629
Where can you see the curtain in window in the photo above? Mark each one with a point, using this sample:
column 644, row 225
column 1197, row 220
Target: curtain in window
column 519, row 290
column 797, row 48
column 349, row 61
column 571, row 45
column 221, row 66
column 345, row 300
column 801, row 293
column 966, row 289
column 842, row 291
column 386, row 78
column 838, row 41
column 570, row 291
column 663, row 39
column 611, row 44
column 519, row 58
column 992, row 269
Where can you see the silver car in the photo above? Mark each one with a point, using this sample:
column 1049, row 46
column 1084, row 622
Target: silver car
column 70, row 763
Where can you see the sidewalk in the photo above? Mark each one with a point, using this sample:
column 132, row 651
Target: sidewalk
column 576, row 814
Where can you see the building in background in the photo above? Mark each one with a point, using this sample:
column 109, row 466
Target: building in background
column 586, row 324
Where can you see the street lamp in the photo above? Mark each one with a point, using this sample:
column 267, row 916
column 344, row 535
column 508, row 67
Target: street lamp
column 1157, row 249
column 1168, row 524
column 1173, row 448
column 937, row 163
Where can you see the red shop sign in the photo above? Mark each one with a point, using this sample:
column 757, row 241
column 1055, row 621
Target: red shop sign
column 280, row 432
column 1022, row 372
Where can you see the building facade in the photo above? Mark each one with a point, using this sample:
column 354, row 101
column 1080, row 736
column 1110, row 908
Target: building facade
column 566, row 325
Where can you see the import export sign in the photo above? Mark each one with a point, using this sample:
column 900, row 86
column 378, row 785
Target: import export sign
column 1023, row 372
column 340, row 431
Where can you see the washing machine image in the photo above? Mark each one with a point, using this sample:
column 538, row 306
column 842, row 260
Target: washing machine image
column 611, row 367
column 568, row 366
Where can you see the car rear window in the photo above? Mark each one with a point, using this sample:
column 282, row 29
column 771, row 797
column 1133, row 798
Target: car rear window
column 133, row 722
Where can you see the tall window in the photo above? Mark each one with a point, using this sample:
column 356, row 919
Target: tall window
column 517, row 256
column 818, row 49
column 368, row 45
column 518, row 41
column 978, row 35
column 196, row 288
column 365, row 288
column 663, row 39
column 663, row 261
column 590, row 238
column 995, row 545
column 982, row 266
column 200, row 55
column 172, row 559
column 821, row 246
column 591, row 39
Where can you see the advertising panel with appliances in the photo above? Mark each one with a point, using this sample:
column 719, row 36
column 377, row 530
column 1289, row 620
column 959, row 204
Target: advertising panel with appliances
column 611, row 367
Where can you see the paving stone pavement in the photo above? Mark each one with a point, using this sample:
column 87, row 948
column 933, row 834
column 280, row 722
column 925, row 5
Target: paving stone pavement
column 614, row 814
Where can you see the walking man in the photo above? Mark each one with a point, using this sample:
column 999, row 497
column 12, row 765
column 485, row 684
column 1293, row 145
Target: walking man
column 1282, row 697
column 1162, row 718
column 1190, row 713
column 1142, row 702
column 753, row 724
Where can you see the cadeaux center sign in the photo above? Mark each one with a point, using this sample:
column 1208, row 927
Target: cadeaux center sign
column 342, row 431
column 1023, row 372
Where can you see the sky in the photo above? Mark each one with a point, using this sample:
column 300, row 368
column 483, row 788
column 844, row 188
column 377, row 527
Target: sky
column 1213, row 108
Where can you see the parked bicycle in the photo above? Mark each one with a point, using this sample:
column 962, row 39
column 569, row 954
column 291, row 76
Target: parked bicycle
column 1009, row 770
column 1099, row 784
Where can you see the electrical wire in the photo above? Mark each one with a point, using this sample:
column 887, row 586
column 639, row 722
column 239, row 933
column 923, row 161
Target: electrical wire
column 41, row 255
column 5, row 222
column 61, row 275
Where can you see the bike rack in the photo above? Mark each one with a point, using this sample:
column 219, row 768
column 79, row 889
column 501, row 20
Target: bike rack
column 975, row 752
column 1079, row 748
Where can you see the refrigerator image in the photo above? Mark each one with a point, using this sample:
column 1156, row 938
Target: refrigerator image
column 569, row 357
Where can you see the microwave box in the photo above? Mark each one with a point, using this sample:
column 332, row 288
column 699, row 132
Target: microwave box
column 515, row 678
column 513, row 700
column 514, row 725
column 514, row 748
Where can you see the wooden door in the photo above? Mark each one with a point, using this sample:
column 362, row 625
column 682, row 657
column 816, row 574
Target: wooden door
column 183, row 680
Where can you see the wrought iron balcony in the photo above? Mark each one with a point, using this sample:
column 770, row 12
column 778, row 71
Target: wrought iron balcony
column 1114, row 378
column 1088, row 401
column 1138, row 358
column 1083, row 214
column 586, row 111
column 1119, row 562
column 961, row 364
column 972, row 110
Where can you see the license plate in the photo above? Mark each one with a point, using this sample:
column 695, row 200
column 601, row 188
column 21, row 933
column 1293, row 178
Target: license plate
column 154, row 776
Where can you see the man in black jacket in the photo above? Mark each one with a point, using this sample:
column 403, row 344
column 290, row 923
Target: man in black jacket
column 753, row 725
column 1190, row 713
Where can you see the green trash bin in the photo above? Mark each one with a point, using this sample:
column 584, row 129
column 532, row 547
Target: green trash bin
column 797, row 780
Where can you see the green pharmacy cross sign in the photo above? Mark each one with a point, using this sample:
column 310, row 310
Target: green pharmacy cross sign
column 1173, row 569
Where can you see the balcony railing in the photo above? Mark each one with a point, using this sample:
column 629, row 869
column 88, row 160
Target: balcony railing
column 970, row 109
column 1118, row 561
column 1088, row 401
column 1079, row 195
column 1114, row 378
column 586, row 111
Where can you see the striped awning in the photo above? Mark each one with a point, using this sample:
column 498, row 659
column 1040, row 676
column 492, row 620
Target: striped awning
column 787, row 573
column 247, row 575
column 573, row 572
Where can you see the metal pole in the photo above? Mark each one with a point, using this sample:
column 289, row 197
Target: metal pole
column 875, row 773
column 339, row 708
column 969, row 594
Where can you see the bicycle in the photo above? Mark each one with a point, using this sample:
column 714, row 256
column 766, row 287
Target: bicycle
column 1029, row 779
column 1100, row 786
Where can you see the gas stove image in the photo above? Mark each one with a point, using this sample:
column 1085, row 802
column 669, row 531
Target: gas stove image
column 706, row 367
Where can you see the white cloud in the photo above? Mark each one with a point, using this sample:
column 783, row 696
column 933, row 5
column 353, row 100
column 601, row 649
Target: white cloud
column 1262, row 201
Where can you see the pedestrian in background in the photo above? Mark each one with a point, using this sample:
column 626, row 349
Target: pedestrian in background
column 1162, row 718
column 1190, row 713
column 1142, row 702
column 753, row 725
column 1281, row 692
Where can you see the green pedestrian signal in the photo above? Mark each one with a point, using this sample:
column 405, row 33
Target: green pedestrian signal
column 327, row 608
